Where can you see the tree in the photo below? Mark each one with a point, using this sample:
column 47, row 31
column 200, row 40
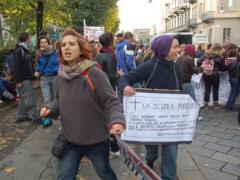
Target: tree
column 111, row 22
column 94, row 12
column 34, row 15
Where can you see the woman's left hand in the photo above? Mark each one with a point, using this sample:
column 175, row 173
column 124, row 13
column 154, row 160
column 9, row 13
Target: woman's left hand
column 116, row 129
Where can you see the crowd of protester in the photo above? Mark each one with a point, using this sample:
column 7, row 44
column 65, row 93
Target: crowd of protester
column 61, row 66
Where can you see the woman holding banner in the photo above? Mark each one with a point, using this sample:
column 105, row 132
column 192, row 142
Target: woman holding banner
column 160, row 72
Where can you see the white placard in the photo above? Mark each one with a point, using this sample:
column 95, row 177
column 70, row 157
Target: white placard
column 200, row 39
column 93, row 32
column 159, row 117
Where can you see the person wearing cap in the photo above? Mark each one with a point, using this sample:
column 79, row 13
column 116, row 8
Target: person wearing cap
column 188, row 68
column 160, row 72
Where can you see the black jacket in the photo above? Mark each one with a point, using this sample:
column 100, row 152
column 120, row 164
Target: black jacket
column 109, row 66
column 160, row 74
column 23, row 66
column 188, row 68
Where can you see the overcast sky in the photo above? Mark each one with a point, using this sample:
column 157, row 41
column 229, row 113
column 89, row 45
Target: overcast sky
column 134, row 14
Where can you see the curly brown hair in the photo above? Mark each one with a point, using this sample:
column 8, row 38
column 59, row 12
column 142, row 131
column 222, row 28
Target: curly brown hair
column 82, row 43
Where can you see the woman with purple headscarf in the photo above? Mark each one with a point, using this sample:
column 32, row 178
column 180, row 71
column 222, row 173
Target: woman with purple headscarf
column 160, row 72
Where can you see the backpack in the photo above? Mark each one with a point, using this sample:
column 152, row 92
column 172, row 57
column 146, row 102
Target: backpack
column 9, row 63
column 208, row 67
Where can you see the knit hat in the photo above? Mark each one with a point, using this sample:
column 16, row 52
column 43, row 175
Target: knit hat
column 162, row 45
column 189, row 50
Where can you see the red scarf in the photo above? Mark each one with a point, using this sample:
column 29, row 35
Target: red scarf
column 108, row 50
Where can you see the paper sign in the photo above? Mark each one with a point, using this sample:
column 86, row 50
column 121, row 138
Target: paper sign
column 159, row 117
column 93, row 33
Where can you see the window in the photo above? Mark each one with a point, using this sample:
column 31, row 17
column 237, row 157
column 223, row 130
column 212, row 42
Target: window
column 210, row 35
column 228, row 5
column 200, row 9
column 226, row 34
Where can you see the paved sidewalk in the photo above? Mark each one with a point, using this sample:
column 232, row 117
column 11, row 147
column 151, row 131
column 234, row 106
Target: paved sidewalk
column 216, row 146
column 214, row 154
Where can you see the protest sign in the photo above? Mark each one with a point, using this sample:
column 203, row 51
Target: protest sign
column 200, row 39
column 156, row 116
column 223, row 92
column 93, row 32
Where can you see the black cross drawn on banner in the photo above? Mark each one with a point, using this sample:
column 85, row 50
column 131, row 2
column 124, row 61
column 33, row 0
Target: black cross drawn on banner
column 135, row 102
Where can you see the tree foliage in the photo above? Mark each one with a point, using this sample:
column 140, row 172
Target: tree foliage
column 94, row 12
column 21, row 15
column 111, row 22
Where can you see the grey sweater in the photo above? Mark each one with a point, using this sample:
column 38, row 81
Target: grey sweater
column 86, row 115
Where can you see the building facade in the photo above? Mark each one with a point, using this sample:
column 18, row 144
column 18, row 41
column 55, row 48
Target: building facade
column 219, row 19
column 142, row 35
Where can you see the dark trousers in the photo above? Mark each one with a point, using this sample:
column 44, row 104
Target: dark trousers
column 98, row 155
column 211, row 81
column 233, row 93
column 168, row 161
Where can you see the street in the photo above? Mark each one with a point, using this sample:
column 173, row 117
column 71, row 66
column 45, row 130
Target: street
column 25, row 152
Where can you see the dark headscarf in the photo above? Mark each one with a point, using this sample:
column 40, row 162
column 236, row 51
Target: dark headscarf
column 161, row 45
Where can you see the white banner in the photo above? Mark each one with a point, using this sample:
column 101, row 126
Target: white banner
column 93, row 32
column 159, row 117
column 200, row 39
column 223, row 92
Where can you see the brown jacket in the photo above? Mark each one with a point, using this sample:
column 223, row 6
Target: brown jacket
column 188, row 68
column 86, row 115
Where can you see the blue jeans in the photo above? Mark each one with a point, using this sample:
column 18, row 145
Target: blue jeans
column 233, row 93
column 168, row 161
column 47, row 84
column 98, row 155
column 188, row 88
column 27, row 103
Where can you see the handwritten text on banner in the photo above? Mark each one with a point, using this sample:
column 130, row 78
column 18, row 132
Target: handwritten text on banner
column 160, row 117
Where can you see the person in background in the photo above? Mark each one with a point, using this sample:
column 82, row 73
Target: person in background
column 181, row 49
column 107, row 58
column 23, row 74
column 200, row 51
column 148, row 54
column 212, row 63
column 208, row 48
column 188, row 68
column 140, row 55
column 47, row 70
column 125, row 54
column 7, row 90
column 88, row 116
column 38, row 51
column 160, row 72
column 119, row 38
column 231, row 64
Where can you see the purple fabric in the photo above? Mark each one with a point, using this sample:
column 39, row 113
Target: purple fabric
column 161, row 45
column 189, row 50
